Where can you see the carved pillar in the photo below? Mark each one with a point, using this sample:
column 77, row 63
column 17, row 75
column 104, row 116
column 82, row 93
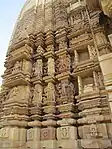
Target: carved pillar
column 34, row 134
column 48, row 132
column 51, row 66
column 76, row 57
column 80, row 85
column 95, row 79
column 101, row 42
column 15, row 118
column 105, row 62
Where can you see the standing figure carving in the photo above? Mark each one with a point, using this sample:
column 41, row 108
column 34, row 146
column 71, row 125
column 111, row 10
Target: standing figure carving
column 13, row 93
column 38, row 68
column 17, row 67
column 37, row 95
column 64, row 64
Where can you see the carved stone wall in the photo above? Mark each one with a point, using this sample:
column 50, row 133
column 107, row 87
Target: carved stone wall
column 57, row 86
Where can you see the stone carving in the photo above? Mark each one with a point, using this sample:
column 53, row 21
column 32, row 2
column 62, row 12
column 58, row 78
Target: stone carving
column 49, row 93
column 50, row 48
column 37, row 95
column 24, row 26
column 40, row 50
column 26, row 66
column 93, row 130
column 65, row 89
column 92, row 52
column 17, row 67
column 64, row 132
column 76, row 18
column 4, row 132
column 45, row 95
column 48, row 134
column 45, row 68
column 80, row 25
column 88, row 84
column 30, row 134
column 13, row 93
column 63, row 64
column 45, row 134
column 62, row 90
column 62, row 45
column 100, row 79
column 38, row 68
column 94, row 19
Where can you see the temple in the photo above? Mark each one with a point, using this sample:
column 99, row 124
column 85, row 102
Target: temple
column 57, row 86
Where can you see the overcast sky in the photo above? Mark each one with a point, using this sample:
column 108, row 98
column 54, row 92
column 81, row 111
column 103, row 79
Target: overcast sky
column 9, row 11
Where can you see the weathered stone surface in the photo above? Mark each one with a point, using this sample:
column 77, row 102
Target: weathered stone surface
column 57, row 87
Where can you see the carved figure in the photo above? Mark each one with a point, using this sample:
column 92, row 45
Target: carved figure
column 64, row 88
column 38, row 68
column 45, row 68
column 37, row 97
column 13, row 93
column 40, row 50
column 62, row 45
column 17, row 67
column 93, row 130
column 64, row 64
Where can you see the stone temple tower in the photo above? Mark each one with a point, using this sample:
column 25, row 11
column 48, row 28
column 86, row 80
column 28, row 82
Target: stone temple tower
column 57, row 86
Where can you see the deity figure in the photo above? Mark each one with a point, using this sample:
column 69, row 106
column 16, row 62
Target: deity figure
column 64, row 64
column 64, row 88
column 51, row 92
column 13, row 93
column 38, row 68
column 37, row 95
column 17, row 67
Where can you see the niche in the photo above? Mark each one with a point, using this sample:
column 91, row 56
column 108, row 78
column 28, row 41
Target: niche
column 83, row 55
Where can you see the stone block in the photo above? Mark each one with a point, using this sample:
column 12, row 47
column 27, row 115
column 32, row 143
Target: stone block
column 67, row 132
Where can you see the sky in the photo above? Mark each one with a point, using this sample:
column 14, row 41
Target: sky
column 9, row 11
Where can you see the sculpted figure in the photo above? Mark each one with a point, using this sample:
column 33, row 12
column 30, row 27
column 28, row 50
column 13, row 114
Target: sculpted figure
column 38, row 68
column 40, row 50
column 45, row 68
column 17, row 67
column 51, row 93
column 71, row 90
column 58, row 90
column 37, row 97
column 64, row 64
column 13, row 93
column 50, row 48
column 64, row 88
column 45, row 95
column 62, row 45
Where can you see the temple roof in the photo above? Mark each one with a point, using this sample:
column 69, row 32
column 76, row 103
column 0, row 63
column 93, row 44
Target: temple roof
column 30, row 20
